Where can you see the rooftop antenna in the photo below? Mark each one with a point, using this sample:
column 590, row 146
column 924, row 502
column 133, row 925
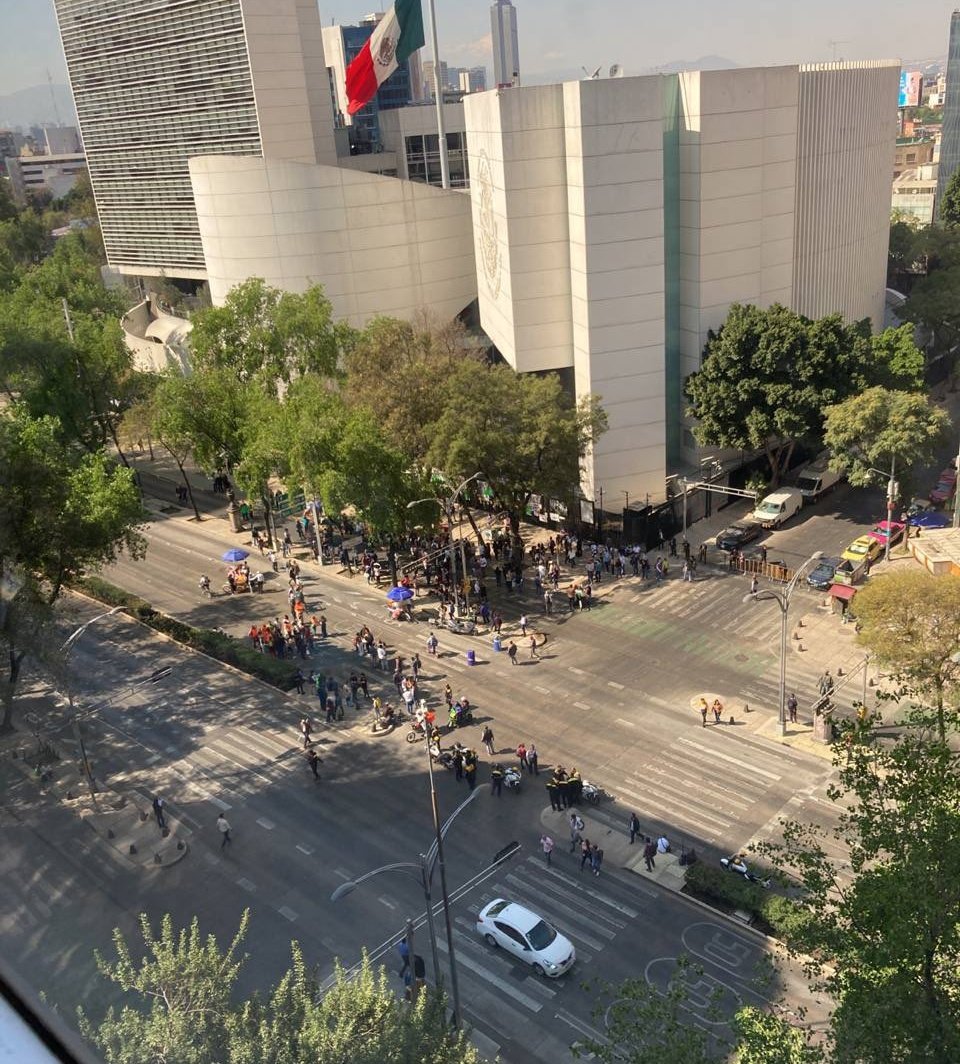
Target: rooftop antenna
column 53, row 98
column 833, row 45
column 590, row 77
column 616, row 71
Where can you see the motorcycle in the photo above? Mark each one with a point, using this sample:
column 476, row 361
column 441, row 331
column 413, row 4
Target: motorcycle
column 386, row 720
column 445, row 757
column 421, row 729
column 460, row 626
column 592, row 793
column 460, row 715
column 736, row 864
column 511, row 779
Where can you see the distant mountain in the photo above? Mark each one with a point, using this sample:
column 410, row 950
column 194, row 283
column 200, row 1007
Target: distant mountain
column 34, row 106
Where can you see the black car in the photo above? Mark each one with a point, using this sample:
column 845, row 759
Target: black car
column 738, row 535
column 822, row 576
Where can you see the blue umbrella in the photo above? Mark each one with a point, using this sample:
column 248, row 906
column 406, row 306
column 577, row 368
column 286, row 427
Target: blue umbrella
column 235, row 554
column 399, row 594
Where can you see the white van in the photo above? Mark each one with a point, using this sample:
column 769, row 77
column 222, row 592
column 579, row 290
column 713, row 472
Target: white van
column 817, row 478
column 778, row 506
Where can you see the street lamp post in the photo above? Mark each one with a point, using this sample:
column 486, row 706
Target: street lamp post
column 447, row 506
column 422, row 871
column 782, row 599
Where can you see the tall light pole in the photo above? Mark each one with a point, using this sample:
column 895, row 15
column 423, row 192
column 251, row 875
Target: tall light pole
column 782, row 599
column 447, row 506
column 423, row 872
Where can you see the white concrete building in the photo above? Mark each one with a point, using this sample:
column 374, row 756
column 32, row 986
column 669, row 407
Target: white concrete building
column 156, row 83
column 617, row 220
column 56, row 174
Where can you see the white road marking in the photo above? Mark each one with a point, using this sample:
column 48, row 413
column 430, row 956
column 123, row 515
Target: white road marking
column 579, row 672
column 581, row 705
column 287, row 912
column 614, row 684
column 733, row 760
column 304, row 849
column 542, row 690
column 268, row 825
column 466, row 961
column 384, row 900
column 627, row 723
column 247, row 885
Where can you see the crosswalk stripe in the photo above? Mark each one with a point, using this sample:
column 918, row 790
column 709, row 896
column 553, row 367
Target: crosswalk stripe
column 679, row 809
column 596, row 895
column 680, row 773
column 556, row 913
column 593, row 913
column 464, row 960
column 772, row 776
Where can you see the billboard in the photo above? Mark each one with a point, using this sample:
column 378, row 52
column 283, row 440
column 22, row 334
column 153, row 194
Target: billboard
column 911, row 86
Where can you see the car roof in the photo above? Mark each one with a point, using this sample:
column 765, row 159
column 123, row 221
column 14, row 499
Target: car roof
column 518, row 916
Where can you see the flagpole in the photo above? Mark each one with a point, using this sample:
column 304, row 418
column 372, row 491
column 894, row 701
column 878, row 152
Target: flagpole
column 438, row 94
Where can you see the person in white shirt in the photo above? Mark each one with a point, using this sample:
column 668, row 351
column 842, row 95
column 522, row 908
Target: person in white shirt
column 663, row 844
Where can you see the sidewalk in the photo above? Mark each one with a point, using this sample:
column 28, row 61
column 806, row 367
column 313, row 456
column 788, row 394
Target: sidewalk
column 124, row 821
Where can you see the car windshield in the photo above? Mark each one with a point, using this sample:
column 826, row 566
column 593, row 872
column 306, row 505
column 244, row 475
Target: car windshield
column 541, row 935
column 770, row 508
column 857, row 548
column 496, row 908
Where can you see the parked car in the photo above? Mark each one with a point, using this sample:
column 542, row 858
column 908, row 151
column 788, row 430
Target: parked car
column 817, row 478
column 822, row 577
column 738, row 535
column 888, row 530
column 526, row 935
column 946, row 486
column 861, row 548
column 778, row 507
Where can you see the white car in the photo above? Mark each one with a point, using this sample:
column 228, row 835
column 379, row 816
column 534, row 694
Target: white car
column 527, row 936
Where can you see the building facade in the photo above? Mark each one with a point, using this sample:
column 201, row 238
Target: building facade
column 410, row 133
column 503, row 38
column 950, row 136
column 33, row 174
column 473, row 80
column 156, row 83
column 341, row 45
column 616, row 221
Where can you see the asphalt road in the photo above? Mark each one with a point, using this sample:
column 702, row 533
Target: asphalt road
column 612, row 695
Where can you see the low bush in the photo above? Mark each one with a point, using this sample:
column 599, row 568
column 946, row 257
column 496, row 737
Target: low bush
column 216, row 644
column 773, row 913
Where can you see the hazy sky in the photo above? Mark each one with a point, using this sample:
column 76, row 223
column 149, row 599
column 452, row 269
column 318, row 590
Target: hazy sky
column 564, row 34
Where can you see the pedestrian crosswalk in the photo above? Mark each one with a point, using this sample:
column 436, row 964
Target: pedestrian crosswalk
column 501, row 995
column 706, row 784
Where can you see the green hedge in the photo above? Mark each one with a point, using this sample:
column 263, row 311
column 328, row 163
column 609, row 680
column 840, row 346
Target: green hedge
column 222, row 647
column 780, row 916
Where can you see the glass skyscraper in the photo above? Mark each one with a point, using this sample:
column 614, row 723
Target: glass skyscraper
column 503, row 35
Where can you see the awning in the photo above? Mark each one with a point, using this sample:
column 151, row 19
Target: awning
column 842, row 591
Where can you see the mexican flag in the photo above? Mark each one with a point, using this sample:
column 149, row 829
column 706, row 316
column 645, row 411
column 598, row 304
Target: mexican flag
column 397, row 36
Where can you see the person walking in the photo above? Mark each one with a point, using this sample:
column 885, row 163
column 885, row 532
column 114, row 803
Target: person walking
column 596, row 858
column 584, row 852
column 298, row 681
column 486, row 737
column 415, row 666
column 533, row 760
column 522, row 757
column 792, row 707
column 512, row 652
column 717, row 708
column 432, row 642
column 158, row 804
column 523, row 625
column 496, row 780
column 576, row 827
column 533, row 648
column 458, row 761
column 554, row 792
column 546, row 845
column 634, row 828
column 754, row 584
column 703, row 707
column 649, row 853
column 305, row 728
column 470, row 768
column 313, row 760
column 223, row 826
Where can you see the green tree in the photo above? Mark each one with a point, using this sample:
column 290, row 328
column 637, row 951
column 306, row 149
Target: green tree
column 934, row 303
column 763, row 1038
column 645, row 1025
column 403, row 373
column 267, row 336
column 64, row 512
column 910, row 622
column 950, row 203
column 521, row 431
column 882, row 893
column 767, row 375
column 185, row 1009
column 898, row 362
column 882, row 429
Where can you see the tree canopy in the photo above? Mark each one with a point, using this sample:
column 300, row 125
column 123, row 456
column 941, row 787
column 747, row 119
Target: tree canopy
column 878, row 428
column 265, row 336
column 910, row 622
column 767, row 375
column 950, row 202
column 184, row 1007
